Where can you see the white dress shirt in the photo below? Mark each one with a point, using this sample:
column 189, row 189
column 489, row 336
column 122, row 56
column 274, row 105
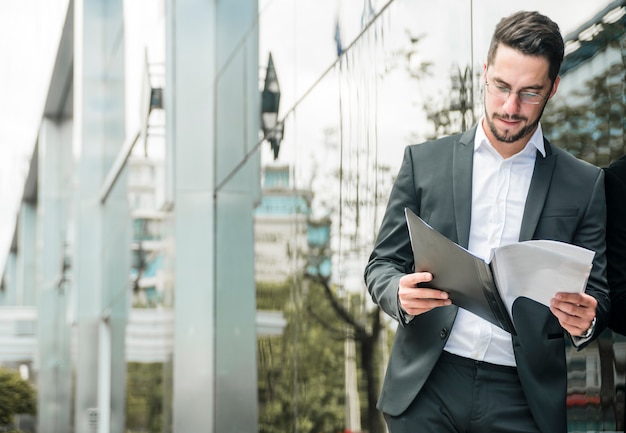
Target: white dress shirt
column 499, row 191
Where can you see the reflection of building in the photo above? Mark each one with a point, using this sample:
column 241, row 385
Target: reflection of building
column 595, row 45
column 280, row 225
column 592, row 88
column 287, row 241
column 147, row 240
column 318, row 258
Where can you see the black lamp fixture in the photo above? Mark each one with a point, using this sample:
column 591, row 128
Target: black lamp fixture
column 270, row 100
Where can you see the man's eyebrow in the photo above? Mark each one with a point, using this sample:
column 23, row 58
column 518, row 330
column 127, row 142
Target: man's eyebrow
column 503, row 83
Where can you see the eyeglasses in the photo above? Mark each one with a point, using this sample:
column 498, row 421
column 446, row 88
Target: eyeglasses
column 504, row 93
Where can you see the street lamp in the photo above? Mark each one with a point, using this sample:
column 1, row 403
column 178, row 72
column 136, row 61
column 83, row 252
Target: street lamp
column 270, row 100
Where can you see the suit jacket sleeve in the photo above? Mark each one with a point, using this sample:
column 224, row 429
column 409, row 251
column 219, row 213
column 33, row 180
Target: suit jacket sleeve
column 392, row 256
column 430, row 194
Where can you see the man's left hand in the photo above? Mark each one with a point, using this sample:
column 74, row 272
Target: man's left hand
column 575, row 311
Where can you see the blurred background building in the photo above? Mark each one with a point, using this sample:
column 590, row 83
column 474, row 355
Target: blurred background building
column 186, row 216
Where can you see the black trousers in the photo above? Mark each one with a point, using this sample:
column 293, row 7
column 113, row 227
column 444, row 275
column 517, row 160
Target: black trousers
column 466, row 396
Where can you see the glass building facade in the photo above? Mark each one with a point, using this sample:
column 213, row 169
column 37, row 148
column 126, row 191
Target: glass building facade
column 175, row 264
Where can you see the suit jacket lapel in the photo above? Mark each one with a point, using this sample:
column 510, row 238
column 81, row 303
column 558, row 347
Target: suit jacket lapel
column 537, row 192
column 463, row 156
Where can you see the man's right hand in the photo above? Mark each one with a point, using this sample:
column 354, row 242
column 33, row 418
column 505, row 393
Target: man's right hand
column 416, row 300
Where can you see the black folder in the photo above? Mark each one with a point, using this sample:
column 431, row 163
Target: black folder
column 467, row 278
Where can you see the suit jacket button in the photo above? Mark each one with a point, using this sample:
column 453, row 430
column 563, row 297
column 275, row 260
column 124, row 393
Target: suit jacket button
column 444, row 333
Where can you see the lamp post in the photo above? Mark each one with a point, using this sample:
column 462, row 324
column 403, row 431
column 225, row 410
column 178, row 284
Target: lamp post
column 270, row 100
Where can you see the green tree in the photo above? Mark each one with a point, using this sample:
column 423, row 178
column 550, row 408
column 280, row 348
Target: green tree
column 17, row 396
column 145, row 396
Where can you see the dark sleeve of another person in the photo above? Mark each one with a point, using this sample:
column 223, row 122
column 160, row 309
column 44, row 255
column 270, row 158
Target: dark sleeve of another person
column 615, row 181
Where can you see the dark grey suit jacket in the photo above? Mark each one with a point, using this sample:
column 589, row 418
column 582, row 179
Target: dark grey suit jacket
column 565, row 203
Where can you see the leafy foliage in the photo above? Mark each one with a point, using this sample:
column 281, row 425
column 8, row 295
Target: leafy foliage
column 17, row 396
column 145, row 396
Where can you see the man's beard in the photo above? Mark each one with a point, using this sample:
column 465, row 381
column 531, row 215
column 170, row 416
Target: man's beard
column 505, row 138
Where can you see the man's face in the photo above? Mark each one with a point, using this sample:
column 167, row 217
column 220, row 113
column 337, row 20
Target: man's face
column 510, row 114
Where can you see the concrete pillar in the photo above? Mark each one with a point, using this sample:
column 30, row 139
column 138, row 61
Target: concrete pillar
column 10, row 277
column 101, row 253
column 238, row 191
column 26, row 254
column 54, row 385
column 212, row 111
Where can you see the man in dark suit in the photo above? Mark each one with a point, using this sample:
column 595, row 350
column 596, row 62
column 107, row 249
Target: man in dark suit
column 615, row 182
column 498, row 183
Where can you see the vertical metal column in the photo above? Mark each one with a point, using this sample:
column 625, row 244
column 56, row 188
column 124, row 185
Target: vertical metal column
column 26, row 254
column 101, row 264
column 116, row 300
column 212, row 110
column 54, row 404
column 190, row 120
column 10, row 278
column 239, row 189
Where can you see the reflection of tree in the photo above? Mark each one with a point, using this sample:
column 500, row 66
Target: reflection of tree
column 590, row 123
column 301, row 393
column 463, row 96
column 363, row 187
column 365, row 328
column 409, row 59
column 456, row 112
column 321, row 312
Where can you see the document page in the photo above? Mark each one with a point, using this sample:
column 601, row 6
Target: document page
column 538, row 269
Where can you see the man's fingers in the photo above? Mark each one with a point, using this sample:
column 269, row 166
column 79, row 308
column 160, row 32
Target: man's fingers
column 579, row 299
column 412, row 280
column 419, row 300
column 415, row 299
column 578, row 305
column 421, row 293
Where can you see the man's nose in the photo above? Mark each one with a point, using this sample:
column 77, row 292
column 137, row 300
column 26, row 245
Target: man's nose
column 512, row 103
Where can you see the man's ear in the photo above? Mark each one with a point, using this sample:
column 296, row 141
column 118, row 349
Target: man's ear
column 555, row 86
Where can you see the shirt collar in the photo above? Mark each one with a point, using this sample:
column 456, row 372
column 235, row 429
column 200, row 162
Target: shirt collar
column 536, row 140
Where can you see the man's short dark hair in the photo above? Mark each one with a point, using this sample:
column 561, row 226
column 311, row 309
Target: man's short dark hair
column 533, row 34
